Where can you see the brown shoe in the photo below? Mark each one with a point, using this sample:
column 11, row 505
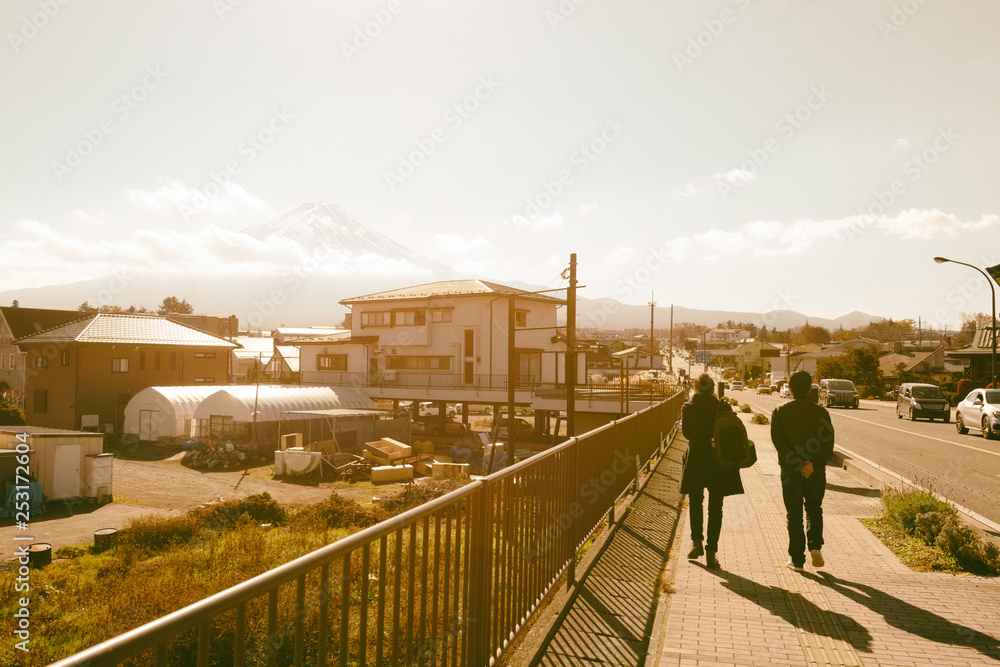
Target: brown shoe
column 711, row 560
column 696, row 551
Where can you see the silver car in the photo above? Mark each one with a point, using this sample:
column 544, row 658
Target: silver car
column 979, row 410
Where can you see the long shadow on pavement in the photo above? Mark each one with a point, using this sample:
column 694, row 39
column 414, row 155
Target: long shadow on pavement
column 911, row 618
column 781, row 602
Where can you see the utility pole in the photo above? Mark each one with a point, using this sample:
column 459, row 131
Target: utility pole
column 571, row 349
column 670, row 347
column 652, row 342
column 512, row 369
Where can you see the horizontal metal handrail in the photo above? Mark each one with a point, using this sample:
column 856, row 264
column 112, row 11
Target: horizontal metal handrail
column 509, row 549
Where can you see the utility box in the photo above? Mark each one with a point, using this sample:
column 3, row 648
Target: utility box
column 97, row 476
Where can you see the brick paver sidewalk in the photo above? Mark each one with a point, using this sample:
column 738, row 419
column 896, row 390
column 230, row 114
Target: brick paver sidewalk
column 863, row 608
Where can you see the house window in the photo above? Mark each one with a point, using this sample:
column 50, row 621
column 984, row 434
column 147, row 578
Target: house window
column 156, row 360
column 415, row 363
column 331, row 362
column 41, row 362
column 39, row 401
column 173, row 360
column 142, row 360
column 119, row 365
column 439, row 316
column 204, row 355
column 204, row 380
column 409, row 318
column 3, row 361
column 520, row 318
column 470, row 342
column 65, row 357
column 12, row 364
column 376, row 319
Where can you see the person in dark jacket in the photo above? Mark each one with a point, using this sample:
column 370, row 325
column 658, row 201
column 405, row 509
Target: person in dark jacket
column 701, row 473
column 802, row 433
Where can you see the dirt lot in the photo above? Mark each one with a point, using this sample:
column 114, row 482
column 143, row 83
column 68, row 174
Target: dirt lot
column 153, row 481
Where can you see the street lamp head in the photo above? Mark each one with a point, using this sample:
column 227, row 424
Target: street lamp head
column 941, row 260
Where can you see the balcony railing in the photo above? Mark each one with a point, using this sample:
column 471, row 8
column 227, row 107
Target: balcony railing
column 451, row 582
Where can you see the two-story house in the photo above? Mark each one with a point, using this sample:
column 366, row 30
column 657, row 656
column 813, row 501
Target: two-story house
column 17, row 322
column 82, row 374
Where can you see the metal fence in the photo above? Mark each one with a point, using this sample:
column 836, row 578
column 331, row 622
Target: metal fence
column 451, row 582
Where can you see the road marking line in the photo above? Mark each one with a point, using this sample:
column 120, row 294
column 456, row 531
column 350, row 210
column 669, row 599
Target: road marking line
column 919, row 435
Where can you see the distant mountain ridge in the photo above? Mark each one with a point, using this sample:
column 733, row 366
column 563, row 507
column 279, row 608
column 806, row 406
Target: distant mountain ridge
column 267, row 300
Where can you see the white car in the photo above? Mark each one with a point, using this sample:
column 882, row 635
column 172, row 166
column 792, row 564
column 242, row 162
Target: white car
column 785, row 391
column 736, row 385
column 431, row 408
column 979, row 410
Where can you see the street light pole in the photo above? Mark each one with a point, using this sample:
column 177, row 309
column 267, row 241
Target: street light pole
column 993, row 332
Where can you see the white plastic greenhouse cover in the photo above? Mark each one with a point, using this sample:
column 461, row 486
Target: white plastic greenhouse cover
column 162, row 411
column 238, row 401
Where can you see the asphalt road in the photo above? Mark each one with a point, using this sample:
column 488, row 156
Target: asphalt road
column 963, row 468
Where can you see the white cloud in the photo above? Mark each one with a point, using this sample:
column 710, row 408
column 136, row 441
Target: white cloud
column 621, row 255
column 902, row 142
column 689, row 190
column 457, row 245
column 933, row 224
column 538, row 223
column 37, row 254
column 211, row 203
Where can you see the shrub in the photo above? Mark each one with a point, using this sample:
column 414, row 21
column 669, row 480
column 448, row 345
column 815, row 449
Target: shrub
column 746, row 408
column 963, row 388
column 928, row 526
column 11, row 416
column 759, row 418
column 260, row 507
column 336, row 512
column 903, row 505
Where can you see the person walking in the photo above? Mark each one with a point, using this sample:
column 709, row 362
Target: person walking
column 802, row 432
column 701, row 472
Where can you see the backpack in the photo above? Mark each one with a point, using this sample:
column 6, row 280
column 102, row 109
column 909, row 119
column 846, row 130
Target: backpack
column 730, row 446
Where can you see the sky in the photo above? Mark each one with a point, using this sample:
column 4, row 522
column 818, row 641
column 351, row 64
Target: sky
column 730, row 154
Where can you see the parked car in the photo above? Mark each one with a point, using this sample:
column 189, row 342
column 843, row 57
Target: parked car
column 737, row 385
column 431, row 425
column 785, row 391
column 979, row 410
column 915, row 399
column 838, row 392
column 523, row 429
column 431, row 408
column 763, row 388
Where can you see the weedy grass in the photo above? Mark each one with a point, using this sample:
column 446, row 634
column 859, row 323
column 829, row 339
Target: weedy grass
column 164, row 563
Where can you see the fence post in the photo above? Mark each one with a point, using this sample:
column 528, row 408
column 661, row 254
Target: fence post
column 479, row 578
column 573, row 501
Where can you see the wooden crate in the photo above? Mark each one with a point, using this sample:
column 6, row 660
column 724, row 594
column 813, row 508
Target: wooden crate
column 392, row 473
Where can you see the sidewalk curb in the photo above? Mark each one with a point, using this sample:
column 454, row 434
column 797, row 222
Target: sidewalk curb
column 878, row 476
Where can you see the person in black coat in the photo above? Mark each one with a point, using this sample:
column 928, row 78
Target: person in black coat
column 701, row 472
column 802, row 432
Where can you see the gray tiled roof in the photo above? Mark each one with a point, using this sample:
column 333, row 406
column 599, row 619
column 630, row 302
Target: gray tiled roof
column 449, row 288
column 127, row 330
